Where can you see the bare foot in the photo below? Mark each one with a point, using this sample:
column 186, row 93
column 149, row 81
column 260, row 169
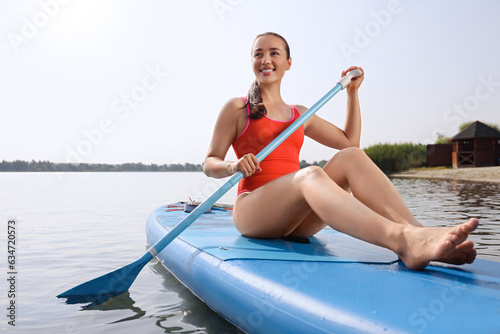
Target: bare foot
column 425, row 244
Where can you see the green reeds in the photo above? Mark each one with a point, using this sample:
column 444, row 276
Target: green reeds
column 393, row 158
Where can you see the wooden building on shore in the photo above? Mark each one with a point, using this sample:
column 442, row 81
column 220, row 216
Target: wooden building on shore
column 478, row 145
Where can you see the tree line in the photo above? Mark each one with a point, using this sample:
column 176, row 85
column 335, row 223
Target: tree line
column 47, row 166
column 388, row 157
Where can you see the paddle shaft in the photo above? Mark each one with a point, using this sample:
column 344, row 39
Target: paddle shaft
column 116, row 282
column 200, row 209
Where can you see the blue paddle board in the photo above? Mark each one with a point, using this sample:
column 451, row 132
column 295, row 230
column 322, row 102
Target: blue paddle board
column 333, row 284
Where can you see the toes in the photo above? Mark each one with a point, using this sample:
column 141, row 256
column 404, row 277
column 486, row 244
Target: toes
column 468, row 227
column 466, row 247
column 472, row 224
column 462, row 231
column 463, row 253
column 471, row 257
column 455, row 240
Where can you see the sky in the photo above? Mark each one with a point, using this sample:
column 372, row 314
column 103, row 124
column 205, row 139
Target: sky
column 101, row 81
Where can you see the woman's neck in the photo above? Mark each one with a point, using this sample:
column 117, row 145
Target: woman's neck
column 271, row 94
column 277, row 109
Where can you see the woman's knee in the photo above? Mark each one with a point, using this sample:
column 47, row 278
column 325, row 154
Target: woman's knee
column 311, row 172
column 352, row 154
column 344, row 163
column 348, row 157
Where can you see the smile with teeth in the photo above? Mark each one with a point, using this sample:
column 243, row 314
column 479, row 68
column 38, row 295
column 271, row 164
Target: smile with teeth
column 267, row 71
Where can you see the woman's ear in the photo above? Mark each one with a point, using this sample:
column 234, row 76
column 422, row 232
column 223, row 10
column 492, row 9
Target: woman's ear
column 289, row 63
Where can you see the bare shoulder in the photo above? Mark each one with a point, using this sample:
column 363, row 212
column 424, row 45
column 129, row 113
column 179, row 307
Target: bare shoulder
column 233, row 105
column 233, row 115
column 301, row 108
column 233, row 112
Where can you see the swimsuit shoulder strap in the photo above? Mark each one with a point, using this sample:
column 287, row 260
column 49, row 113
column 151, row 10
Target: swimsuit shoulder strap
column 248, row 106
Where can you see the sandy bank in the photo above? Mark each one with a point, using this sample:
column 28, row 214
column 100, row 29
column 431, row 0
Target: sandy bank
column 484, row 174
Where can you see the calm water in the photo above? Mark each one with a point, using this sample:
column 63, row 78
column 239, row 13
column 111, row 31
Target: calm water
column 72, row 227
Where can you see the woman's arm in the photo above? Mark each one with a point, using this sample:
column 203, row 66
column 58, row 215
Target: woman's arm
column 330, row 135
column 230, row 123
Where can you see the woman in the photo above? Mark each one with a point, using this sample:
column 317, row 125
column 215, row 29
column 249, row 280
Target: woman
column 278, row 199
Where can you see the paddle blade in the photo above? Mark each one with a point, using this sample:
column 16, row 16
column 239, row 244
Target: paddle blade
column 102, row 288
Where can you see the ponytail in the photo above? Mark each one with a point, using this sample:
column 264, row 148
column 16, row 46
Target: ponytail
column 254, row 100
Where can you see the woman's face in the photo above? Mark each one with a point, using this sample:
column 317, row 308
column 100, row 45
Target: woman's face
column 269, row 59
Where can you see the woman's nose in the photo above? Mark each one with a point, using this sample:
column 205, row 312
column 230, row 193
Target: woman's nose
column 266, row 59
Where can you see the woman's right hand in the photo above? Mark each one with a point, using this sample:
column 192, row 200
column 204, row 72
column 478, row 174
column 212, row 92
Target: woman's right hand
column 247, row 164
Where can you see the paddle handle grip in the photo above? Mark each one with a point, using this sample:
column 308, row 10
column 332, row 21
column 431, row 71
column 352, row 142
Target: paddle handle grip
column 205, row 205
column 346, row 80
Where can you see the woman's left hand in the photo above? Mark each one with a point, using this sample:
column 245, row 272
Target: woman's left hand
column 356, row 82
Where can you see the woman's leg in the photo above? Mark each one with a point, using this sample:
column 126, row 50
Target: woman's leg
column 277, row 208
column 353, row 169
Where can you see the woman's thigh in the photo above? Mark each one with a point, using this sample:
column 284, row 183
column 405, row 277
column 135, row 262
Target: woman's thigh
column 273, row 210
column 335, row 169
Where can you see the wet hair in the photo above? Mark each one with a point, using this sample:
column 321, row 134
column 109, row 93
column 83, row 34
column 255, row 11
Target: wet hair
column 254, row 100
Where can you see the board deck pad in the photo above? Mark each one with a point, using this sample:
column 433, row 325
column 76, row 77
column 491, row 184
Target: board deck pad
column 215, row 234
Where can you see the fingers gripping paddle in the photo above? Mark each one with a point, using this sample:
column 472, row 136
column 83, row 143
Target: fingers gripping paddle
column 119, row 281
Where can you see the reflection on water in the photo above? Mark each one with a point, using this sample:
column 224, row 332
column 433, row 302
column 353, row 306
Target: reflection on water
column 447, row 202
column 194, row 311
column 184, row 313
column 121, row 302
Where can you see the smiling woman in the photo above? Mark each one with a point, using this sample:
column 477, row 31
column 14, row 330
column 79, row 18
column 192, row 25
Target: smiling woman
column 312, row 198
column 86, row 30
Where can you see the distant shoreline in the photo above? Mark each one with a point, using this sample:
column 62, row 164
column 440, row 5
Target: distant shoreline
column 47, row 166
column 478, row 174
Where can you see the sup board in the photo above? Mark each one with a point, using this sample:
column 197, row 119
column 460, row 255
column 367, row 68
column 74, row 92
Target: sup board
column 332, row 284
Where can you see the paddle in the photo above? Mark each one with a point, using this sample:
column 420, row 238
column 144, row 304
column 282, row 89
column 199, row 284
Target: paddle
column 119, row 281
